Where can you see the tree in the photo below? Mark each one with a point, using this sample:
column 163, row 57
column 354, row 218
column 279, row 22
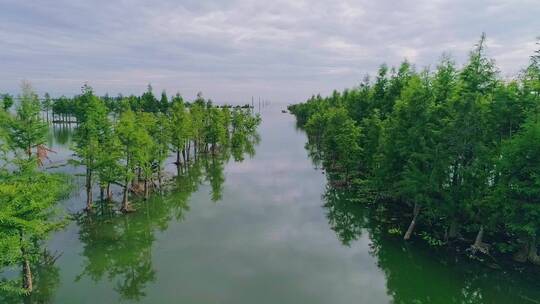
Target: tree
column 164, row 102
column 216, row 134
column 108, row 167
column 7, row 102
column 27, row 204
column 148, row 151
column 149, row 102
column 46, row 104
column 339, row 141
column 26, row 130
column 180, row 129
column 133, row 141
column 518, row 191
column 160, row 132
column 93, row 130
column 468, row 141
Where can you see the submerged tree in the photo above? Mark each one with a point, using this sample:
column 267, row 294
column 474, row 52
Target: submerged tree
column 92, row 133
column 27, row 204
column 134, row 140
column 448, row 145
column 26, row 129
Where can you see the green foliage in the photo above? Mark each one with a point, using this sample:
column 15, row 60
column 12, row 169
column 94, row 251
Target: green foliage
column 123, row 141
column 7, row 102
column 457, row 147
column 26, row 130
column 28, row 214
column 518, row 191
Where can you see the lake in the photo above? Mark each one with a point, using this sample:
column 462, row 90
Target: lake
column 267, row 229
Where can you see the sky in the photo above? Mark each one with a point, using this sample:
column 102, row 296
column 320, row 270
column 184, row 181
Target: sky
column 280, row 50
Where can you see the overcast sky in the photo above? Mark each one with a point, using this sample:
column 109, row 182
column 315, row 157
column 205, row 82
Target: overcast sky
column 281, row 50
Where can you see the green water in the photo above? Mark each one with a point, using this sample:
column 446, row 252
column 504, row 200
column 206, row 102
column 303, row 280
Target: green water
column 262, row 230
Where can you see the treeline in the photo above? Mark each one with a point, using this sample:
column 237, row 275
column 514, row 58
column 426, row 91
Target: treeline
column 69, row 109
column 129, row 150
column 454, row 151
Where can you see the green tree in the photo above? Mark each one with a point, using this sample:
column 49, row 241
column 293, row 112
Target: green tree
column 164, row 102
column 518, row 191
column 27, row 215
column 93, row 130
column 180, row 130
column 133, row 141
column 216, row 133
column 26, row 130
column 149, row 102
column 46, row 104
column 7, row 102
column 149, row 151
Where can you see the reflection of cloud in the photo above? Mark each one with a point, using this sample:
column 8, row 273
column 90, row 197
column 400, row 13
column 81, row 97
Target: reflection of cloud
column 238, row 48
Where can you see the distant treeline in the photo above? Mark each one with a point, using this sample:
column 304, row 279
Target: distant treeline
column 451, row 155
column 68, row 109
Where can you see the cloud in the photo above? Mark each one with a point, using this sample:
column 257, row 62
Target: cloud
column 283, row 50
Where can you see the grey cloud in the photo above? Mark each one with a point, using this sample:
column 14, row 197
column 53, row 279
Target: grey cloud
column 283, row 50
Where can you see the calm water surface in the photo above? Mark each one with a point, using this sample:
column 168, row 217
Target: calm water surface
column 264, row 230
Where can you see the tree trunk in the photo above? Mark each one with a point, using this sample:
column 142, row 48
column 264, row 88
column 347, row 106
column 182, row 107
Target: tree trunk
column 88, row 190
column 410, row 230
column 109, row 193
column 146, row 192
column 184, row 156
column 125, row 202
column 27, row 271
column 188, row 149
column 28, row 284
column 478, row 243
column 453, row 230
column 533, row 252
column 522, row 255
column 29, row 151
column 102, row 193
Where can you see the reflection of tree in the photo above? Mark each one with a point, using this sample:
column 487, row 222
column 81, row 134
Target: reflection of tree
column 346, row 217
column 314, row 154
column 215, row 176
column 415, row 274
column 118, row 247
column 46, row 277
column 62, row 133
column 244, row 144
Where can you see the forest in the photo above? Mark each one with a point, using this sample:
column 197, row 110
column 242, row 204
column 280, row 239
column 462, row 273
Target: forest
column 449, row 156
column 123, row 143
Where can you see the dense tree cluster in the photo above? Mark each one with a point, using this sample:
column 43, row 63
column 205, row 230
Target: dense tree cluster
column 131, row 150
column 453, row 151
column 28, row 196
column 70, row 109
column 127, row 148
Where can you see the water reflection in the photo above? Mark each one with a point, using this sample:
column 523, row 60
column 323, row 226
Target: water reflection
column 61, row 134
column 46, row 277
column 117, row 248
column 416, row 274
